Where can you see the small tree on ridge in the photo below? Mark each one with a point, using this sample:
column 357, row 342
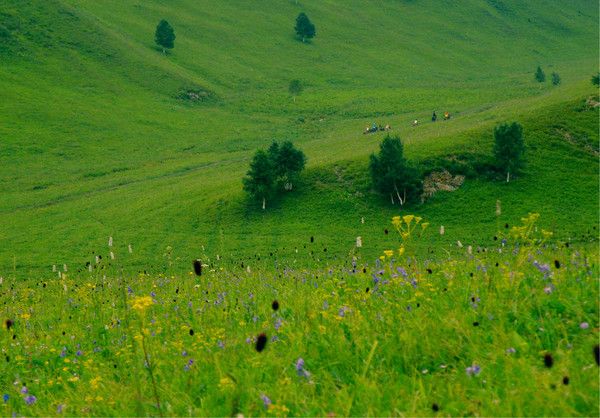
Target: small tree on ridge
column 304, row 27
column 509, row 148
column 164, row 36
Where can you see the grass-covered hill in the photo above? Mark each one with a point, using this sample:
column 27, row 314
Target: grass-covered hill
column 99, row 137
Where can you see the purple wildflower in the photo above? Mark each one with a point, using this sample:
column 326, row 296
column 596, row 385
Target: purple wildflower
column 473, row 370
column 584, row 325
column 60, row 408
column 24, row 390
column 266, row 400
column 79, row 353
column 188, row 365
column 30, row 400
column 510, row 350
column 221, row 344
column 278, row 324
column 302, row 372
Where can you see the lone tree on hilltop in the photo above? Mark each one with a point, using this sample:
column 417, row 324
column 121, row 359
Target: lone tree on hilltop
column 288, row 162
column 509, row 148
column 540, row 76
column 164, row 36
column 392, row 174
column 304, row 27
column 295, row 88
column 260, row 179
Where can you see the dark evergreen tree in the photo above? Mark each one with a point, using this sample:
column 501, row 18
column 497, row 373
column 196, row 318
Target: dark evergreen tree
column 288, row 162
column 164, row 36
column 596, row 79
column 260, row 179
column 555, row 79
column 509, row 148
column 540, row 76
column 392, row 175
column 304, row 27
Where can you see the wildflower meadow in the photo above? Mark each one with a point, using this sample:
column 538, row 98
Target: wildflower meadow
column 505, row 330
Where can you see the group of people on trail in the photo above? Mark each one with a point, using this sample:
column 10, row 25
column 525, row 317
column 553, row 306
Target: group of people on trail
column 375, row 128
column 434, row 116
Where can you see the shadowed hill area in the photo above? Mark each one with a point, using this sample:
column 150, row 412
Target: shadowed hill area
column 100, row 137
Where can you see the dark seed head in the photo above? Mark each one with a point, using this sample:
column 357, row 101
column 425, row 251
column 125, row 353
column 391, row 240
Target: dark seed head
column 385, row 231
column 548, row 360
column 557, row 264
column 506, row 226
column 191, row 331
column 475, row 324
column 312, row 239
column 367, row 290
column 495, row 238
column 435, row 407
column 261, row 342
column 429, row 271
column 597, row 354
column 566, row 380
column 198, row 267
column 275, row 305
column 364, row 269
column 9, row 323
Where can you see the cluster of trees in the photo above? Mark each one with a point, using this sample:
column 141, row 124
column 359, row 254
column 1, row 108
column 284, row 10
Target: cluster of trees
column 540, row 76
column 392, row 175
column 164, row 36
column 274, row 171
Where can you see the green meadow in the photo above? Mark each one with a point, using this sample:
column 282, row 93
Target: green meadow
column 103, row 137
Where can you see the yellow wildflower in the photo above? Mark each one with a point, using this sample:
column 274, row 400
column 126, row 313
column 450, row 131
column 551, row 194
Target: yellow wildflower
column 424, row 225
column 140, row 303
column 388, row 253
column 401, row 250
column 408, row 218
column 25, row 316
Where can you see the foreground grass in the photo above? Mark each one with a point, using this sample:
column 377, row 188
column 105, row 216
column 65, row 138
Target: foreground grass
column 507, row 330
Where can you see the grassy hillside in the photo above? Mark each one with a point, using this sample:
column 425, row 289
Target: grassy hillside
column 96, row 142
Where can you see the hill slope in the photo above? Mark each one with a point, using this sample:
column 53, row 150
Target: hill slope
column 96, row 142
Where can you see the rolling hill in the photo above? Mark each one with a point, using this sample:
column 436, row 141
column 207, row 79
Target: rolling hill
column 99, row 137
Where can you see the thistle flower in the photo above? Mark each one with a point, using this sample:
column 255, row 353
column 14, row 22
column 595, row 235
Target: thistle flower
column 584, row 325
column 261, row 342
column 198, row 267
column 548, row 360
